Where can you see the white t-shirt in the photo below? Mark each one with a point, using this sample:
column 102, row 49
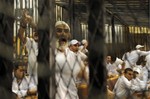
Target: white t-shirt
column 147, row 59
column 32, row 48
column 124, row 87
column 82, row 55
column 67, row 68
column 143, row 73
column 140, row 83
column 82, row 49
column 133, row 56
column 26, row 84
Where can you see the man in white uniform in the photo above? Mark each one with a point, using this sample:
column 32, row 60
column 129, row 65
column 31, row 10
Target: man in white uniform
column 83, row 47
column 143, row 71
column 114, row 67
column 74, row 46
column 138, row 82
column 132, row 57
column 123, row 88
column 31, row 44
column 147, row 59
column 68, row 64
column 23, row 86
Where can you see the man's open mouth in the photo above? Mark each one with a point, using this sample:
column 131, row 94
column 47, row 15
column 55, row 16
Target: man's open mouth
column 63, row 39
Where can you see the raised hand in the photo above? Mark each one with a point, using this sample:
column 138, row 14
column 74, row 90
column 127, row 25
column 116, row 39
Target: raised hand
column 27, row 19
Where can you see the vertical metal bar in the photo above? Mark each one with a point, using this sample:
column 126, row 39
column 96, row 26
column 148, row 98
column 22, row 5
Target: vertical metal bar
column 43, row 55
column 149, row 14
column 113, row 34
column 20, row 45
column 128, row 38
column 25, row 3
column 71, row 13
column 112, row 28
column 29, row 4
column 6, row 48
column 35, row 4
column 18, row 5
column 97, row 88
column 15, row 26
column 52, row 19
column 21, row 4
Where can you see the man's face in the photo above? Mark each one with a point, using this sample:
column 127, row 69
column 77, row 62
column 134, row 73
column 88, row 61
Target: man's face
column 74, row 47
column 108, row 59
column 62, row 32
column 135, row 74
column 19, row 72
column 129, row 75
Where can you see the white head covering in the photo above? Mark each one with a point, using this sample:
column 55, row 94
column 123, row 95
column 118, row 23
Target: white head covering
column 74, row 41
column 139, row 46
column 62, row 22
column 137, row 69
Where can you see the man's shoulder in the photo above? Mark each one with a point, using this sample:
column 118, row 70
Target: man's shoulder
column 29, row 39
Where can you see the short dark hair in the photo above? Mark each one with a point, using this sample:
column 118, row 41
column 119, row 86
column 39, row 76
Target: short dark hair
column 19, row 63
column 127, row 69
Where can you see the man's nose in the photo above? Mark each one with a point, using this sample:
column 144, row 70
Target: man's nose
column 63, row 33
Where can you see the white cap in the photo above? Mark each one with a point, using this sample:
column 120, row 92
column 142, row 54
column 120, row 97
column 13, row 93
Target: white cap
column 74, row 41
column 138, row 46
column 62, row 22
column 137, row 69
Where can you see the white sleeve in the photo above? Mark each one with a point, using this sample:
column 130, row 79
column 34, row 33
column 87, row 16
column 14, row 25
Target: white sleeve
column 145, row 75
column 143, row 53
column 83, row 56
column 32, row 83
column 129, row 85
column 28, row 43
column 123, row 57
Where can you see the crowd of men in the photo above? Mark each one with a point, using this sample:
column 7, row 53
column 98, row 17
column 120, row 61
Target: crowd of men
column 130, row 74
column 71, row 56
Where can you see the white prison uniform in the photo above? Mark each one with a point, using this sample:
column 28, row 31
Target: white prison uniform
column 113, row 69
column 147, row 59
column 86, row 69
column 133, row 57
column 82, row 49
column 127, row 64
column 143, row 74
column 108, row 65
column 140, row 83
column 124, row 87
column 82, row 55
column 32, row 48
column 67, row 68
column 21, row 89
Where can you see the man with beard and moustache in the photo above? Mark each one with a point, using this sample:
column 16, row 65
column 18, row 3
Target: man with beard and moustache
column 30, row 43
column 62, row 35
column 68, row 64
